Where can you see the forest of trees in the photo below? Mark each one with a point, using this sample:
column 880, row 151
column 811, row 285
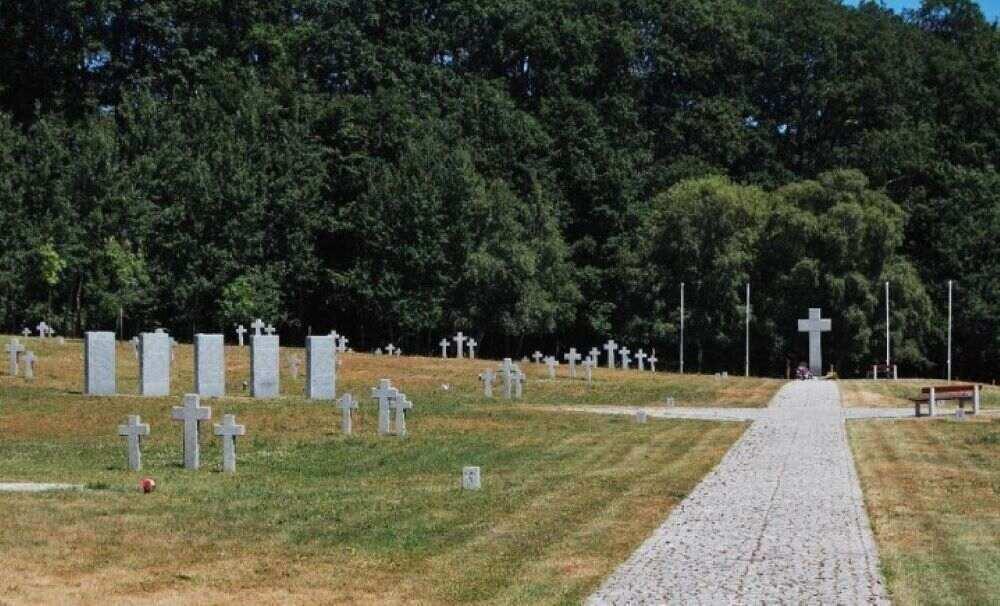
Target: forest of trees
column 537, row 174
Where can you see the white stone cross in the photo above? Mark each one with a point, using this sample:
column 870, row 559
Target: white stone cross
column 43, row 329
column 240, row 331
column 26, row 332
column 270, row 329
column 191, row 414
column 257, row 326
column 572, row 357
column 652, row 362
column 537, row 357
column 595, row 355
column 29, row 364
column 228, row 430
column 390, row 348
column 384, row 393
column 588, row 365
column 815, row 325
column 610, row 347
column 342, row 344
column 640, row 357
column 551, row 362
column 444, row 347
column 400, row 404
column 472, row 348
column 13, row 348
column 459, row 339
column 624, row 352
column 488, row 377
column 133, row 430
column 347, row 403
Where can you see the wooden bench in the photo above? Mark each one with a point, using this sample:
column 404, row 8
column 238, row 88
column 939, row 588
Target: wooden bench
column 960, row 393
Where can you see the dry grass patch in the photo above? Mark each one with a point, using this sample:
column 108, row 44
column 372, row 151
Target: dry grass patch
column 866, row 393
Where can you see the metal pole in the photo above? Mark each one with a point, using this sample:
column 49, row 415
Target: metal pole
column 682, row 328
column 887, row 357
column 747, row 370
column 949, row 330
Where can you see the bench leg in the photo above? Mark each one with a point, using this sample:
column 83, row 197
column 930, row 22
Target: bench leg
column 932, row 404
column 975, row 399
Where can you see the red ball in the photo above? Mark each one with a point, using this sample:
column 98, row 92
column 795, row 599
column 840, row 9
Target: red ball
column 147, row 485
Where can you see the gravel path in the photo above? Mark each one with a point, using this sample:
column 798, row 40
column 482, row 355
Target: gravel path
column 779, row 520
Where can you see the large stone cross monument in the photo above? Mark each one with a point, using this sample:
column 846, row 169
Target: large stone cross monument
column 815, row 326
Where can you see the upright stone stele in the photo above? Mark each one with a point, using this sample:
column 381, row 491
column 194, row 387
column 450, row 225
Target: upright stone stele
column 471, row 478
column 209, row 365
column 154, row 363
column 99, row 364
column 264, row 366
column 815, row 325
column 133, row 431
column 321, row 368
column 192, row 413
column 228, row 430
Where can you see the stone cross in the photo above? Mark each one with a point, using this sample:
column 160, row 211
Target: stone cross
column 385, row 393
column 378, row 352
column 43, row 329
column 13, row 348
column 347, row 403
column 399, row 351
column 623, row 352
column 472, row 348
column 588, row 365
column 390, row 348
column 257, row 326
column 640, row 357
column 400, row 404
column 459, row 339
column 488, row 377
column 572, row 357
column 26, row 332
column 537, row 357
column 815, row 325
column 270, row 329
column 29, row 365
column 228, row 430
column 133, row 430
column 507, row 371
column 240, row 331
column 519, row 377
column 191, row 414
column 551, row 362
column 595, row 354
column 135, row 346
column 444, row 347
column 342, row 344
column 610, row 347
column 652, row 363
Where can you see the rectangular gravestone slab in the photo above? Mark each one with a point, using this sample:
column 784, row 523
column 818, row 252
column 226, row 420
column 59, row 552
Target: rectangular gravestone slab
column 321, row 368
column 209, row 366
column 264, row 366
column 99, row 364
column 154, row 364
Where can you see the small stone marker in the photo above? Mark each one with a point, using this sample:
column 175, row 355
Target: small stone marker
column 472, row 348
column 551, row 362
column 488, row 377
column 385, row 393
column 588, row 366
column 390, row 348
column 154, row 363
column 669, row 401
column 321, row 368
column 400, row 404
column 228, row 430
column 378, row 352
column 595, row 355
column 13, row 348
column 133, row 430
column 240, row 331
column 640, row 358
column 29, row 364
column 537, row 357
column 209, row 365
column 192, row 413
column 341, row 343
column 347, row 403
column 623, row 352
column 43, row 329
column 265, row 379
column 459, row 339
column 610, row 347
column 444, row 347
column 640, row 416
column 99, row 364
column 652, row 362
column 572, row 357
column 815, row 325
column 471, row 478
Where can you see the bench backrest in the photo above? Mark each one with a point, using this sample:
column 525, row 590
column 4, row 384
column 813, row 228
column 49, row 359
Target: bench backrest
column 951, row 390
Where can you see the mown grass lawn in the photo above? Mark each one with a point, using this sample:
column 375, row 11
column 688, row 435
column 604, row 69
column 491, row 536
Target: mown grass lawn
column 314, row 516
column 867, row 393
column 932, row 488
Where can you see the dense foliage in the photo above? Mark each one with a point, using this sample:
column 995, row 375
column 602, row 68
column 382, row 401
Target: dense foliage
column 537, row 174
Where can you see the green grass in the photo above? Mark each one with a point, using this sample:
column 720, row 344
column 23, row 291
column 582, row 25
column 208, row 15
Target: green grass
column 877, row 394
column 315, row 516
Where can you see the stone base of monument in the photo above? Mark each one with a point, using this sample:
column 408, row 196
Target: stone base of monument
column 36, row 487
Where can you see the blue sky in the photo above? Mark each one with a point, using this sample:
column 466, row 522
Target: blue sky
column 991, row 8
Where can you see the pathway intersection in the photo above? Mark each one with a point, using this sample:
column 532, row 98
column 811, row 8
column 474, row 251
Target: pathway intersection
column 780, row 519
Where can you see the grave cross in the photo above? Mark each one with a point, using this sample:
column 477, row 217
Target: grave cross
column 342, row 345
column 815, row 325
column 270, row 329
column 257, row 326
column 459, row 339
column 610, row 347
column 347, row 403
column 29, row 364
column 133, row 430
column 26, row 332
column 444, row 347
column 588, row 365
column 623, row 352
column 595, row 354
column 488, row 377
column 191, row 414
column 537, row 357
column 390, row 348
column 14, row 347
column 400, row 404
column 551, row 362
column 572, row 357
column 228, row 430
column 384, row 393
column 240, row 331
column 652, row 362
column 640, row 357
column 472, row 348
column 43, row 329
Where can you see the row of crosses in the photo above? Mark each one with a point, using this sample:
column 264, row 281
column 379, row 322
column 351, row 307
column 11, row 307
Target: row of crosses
column 460, row 342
